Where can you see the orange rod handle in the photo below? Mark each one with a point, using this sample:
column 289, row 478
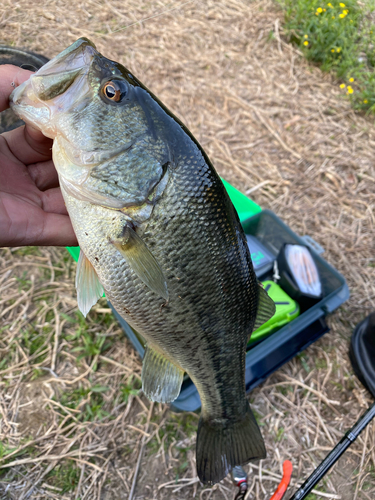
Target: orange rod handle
column 284, row 483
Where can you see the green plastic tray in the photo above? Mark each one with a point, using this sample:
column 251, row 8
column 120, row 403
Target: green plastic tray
column 286, row 310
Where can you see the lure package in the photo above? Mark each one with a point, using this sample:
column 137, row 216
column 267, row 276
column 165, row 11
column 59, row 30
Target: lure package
column 299, row 275
column 262, row 259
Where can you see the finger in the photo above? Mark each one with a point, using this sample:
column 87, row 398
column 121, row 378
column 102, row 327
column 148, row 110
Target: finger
column 53, row 201
column 44, row 175
column 23, row 223
column 10, row 78
column 29, row 145
column 56, row 230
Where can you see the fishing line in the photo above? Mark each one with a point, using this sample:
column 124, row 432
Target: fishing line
column 154, row 16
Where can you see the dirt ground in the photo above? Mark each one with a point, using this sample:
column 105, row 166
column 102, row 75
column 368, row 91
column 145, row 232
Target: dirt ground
column 278, row 130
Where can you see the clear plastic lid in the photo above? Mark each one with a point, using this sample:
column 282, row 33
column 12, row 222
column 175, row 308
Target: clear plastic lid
column 303, row 269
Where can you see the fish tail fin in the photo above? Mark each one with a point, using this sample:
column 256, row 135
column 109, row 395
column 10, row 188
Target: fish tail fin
column 222, row 446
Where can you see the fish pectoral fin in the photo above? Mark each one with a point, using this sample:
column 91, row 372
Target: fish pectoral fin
column 223, row 444
column 266, row 308
column 143, row 263
column 161, row 379
column 89, row 288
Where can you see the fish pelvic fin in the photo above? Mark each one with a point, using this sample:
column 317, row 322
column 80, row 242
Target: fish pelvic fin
column 161, row 379
column 141, row 260
column 266, row 308
column 89, row 288
column 223, row 445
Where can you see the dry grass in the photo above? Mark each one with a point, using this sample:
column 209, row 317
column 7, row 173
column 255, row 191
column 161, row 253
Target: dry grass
column 273, row 126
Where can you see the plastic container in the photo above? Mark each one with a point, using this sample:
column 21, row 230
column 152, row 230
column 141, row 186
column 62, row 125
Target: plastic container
column 261, row 258
column 287, row 310
column 278, row 348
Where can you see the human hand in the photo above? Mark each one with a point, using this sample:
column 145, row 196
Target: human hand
column 32, row 209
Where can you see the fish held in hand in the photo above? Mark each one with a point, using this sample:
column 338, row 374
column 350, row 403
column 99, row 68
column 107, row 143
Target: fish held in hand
column 159, row 234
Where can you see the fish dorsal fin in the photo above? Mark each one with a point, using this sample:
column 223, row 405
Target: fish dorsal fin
column 266, row 308
column 143, row 263
column 161, row 379
column 89, row 288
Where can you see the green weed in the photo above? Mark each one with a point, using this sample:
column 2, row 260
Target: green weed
column 130, row 389
column 65, row 476
column 23, row 283
column 87, row 344
column 33, row 341
column 321, row 364
column 339, row 37
column 27, row 251
column 183, row 462
column 258, row 417
column 178, row 426
column 304, row 358
column 280, row 434
column 6, row 450
column 89, row 401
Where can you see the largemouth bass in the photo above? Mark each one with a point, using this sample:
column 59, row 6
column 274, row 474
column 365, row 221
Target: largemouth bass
column 159, row 233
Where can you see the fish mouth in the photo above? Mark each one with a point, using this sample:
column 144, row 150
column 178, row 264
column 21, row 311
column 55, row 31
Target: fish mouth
column 51, row 87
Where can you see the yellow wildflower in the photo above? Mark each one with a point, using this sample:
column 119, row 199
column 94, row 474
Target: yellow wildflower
column 305, row 43
column 306, row 36
column 319, row 10
column 351, row 80
column 332, row 50
column 342, row 86
column 342, row 16
column 365, row 101
column 324, row 10
column 350, row 90
column 346, row 12
column 333, row 17
column 342, row 5
column 330, row 5
column 338, row 49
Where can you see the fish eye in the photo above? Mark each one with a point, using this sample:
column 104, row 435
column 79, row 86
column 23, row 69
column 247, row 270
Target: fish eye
column 114, row 90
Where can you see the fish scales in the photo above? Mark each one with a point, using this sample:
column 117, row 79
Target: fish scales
column 206, row 201
column 158, row 231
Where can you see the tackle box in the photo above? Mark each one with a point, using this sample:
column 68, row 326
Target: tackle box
column 267, row 350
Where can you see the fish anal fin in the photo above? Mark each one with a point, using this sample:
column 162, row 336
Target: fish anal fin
column 161, row 379
column 266, row 308
column 224, row 444
column 141, row 260
column 89, row 288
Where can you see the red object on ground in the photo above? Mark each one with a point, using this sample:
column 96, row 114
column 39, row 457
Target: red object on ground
column 284, row 483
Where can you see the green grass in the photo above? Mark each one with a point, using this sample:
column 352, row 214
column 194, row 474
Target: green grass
column 89, row 401
column 23, row 251
column 178, row 426
column 6, row 450
column 340, row 37
column 65, row 476
column 86, row 344
column 280, row 434
column 304, row 358
column 130, row 389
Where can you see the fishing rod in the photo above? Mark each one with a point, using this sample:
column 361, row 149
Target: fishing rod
column 239, row 476
column 335, row 454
